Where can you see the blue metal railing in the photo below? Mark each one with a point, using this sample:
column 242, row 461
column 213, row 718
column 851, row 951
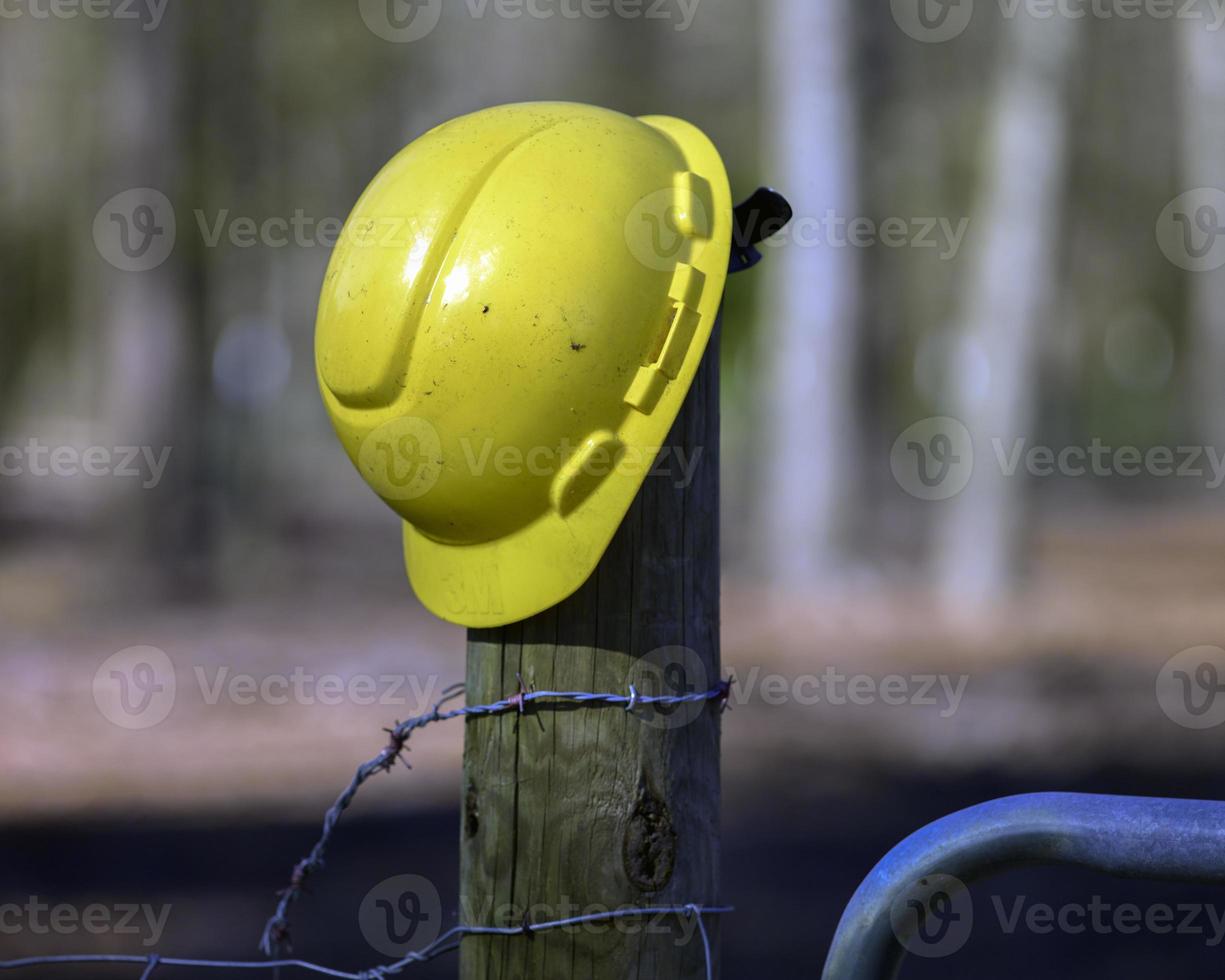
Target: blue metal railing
column 1127, row 836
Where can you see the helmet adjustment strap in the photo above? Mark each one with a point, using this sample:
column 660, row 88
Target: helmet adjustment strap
column 764, row 214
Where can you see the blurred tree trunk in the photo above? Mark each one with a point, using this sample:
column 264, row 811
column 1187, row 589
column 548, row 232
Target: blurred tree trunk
column 144, row 316
column 810, row 318
column 1203, row 57
column 1010, row 287
column 34, row 233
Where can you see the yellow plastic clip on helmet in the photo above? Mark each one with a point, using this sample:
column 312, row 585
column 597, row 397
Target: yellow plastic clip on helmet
column 510, row 321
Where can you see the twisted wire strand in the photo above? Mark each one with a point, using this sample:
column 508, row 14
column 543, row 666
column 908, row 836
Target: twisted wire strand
column 276, row 936
column 448, row 942
column 276, row 931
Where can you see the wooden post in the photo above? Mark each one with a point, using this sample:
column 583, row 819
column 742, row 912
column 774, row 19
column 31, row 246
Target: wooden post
column 570, row 811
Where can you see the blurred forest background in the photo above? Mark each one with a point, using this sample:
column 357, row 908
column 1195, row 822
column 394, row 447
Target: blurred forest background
column 1012, row 232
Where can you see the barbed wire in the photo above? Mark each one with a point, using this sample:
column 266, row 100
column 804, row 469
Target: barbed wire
column 448, row 942
column 276, row 936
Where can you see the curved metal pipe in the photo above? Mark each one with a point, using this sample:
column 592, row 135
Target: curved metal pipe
column 1127, row 836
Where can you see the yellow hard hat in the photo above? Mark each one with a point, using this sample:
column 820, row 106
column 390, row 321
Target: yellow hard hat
column 511, row 319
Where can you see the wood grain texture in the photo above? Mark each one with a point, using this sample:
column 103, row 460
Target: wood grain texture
column 569, row 811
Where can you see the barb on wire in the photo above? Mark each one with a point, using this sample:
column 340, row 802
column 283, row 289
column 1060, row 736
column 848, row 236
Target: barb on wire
column 446, row 943
column 276, row 936
column 276, row 932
